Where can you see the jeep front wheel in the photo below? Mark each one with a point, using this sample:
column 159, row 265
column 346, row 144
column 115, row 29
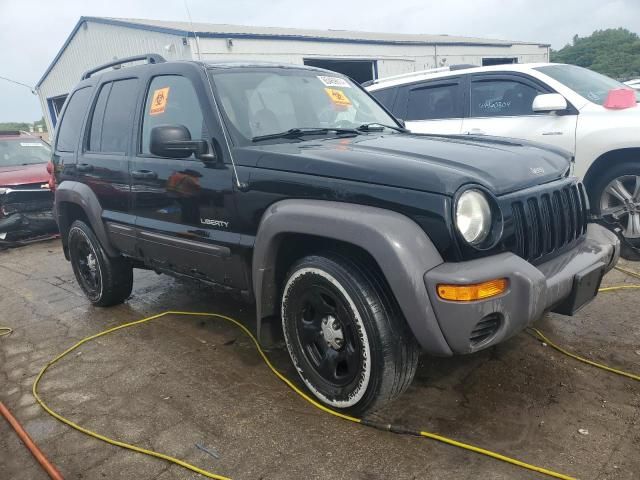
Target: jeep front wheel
column 105, row 281
column 345, row 334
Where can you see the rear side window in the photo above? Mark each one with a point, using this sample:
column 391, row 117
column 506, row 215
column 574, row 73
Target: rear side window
column 434, row 102
column 112, row 117
column 172, row 100
column 502, row 98
column 95, row 134
column 386, row 97
column 71, row 122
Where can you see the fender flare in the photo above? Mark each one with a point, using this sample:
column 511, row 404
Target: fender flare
column 400, row 247
column 80, row 194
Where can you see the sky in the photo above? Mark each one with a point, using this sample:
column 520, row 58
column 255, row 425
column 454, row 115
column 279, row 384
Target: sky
column 33, row 31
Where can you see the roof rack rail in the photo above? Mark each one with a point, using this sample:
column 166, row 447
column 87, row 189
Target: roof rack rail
column 462, row 66
column 149, row 58
column 449, row 68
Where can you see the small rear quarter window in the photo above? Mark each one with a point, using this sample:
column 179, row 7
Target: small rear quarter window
column 71, row 123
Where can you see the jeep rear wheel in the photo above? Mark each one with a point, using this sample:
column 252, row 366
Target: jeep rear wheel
column 345, row 334
column 105, row 281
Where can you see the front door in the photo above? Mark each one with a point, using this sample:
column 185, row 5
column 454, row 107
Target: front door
column 501, row 105
column 184, row 207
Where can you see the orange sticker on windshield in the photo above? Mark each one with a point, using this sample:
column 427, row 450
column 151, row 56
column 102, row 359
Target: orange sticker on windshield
column 159, row 101
column 338, row 97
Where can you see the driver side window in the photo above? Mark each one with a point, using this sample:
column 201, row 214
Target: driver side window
column 172, row 100
column 502, row 98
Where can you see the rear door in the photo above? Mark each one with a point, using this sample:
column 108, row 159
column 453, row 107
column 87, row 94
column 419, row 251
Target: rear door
column 185, row 207
column 501, row 105
column 435, row 107
column 104, row 162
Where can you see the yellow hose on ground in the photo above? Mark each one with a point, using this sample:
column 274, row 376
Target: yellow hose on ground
column 288, row 382
column 5, row 331
column 544, row 339
column 627, row 271
column 306, row 397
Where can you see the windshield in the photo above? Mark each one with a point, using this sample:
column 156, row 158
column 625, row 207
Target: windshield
column 266, row 101
column 591, row 85
column 23, row 151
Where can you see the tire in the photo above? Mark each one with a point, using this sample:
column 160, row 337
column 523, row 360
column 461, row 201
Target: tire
column 345, row 334
column 105, row 281
column 604, row 199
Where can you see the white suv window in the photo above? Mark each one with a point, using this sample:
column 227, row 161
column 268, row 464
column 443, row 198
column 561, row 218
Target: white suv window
column 436, row 102
column 501, row 98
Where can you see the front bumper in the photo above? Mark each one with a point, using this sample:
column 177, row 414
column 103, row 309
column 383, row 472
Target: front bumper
column 21, row 226
column 26, row 213
column 532, row 290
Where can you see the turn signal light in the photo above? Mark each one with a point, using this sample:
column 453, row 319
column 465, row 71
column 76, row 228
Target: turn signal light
column 468, row 293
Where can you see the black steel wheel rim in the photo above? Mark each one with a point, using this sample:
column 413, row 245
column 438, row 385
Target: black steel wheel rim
column 87, row 264
column 338, row 365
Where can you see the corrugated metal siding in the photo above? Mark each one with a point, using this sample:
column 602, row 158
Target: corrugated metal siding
column 392, row 59
column 292, row 33
column 96, row 44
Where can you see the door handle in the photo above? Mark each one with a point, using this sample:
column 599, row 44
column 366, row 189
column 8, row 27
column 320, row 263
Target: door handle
column 144, row 174
column 475, row 131
column 84, row 167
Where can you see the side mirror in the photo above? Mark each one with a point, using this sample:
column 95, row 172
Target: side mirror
column 174, row 141
column 549, row 102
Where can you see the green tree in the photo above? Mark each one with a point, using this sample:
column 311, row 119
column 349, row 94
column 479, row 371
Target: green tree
column 24, row 126
column 614, row 52
column 40, row 124
column 9, row 126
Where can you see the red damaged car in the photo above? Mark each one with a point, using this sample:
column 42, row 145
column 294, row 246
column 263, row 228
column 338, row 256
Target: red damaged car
column 26, row 199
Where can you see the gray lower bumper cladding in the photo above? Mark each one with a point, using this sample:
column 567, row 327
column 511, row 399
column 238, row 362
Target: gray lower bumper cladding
column 532, row 290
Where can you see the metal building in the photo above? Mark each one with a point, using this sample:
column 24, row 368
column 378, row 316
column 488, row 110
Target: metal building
column 361, row 55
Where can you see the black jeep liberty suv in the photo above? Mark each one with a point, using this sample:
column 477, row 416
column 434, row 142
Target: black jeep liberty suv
column 294, row 187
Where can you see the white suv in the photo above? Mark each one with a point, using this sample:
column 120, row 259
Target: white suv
column 561, row 105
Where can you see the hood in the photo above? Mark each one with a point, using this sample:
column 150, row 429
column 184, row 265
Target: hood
column 420, row 162
column 23, row 174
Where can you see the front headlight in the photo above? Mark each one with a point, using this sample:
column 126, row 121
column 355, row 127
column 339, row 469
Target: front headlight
column 473, row 216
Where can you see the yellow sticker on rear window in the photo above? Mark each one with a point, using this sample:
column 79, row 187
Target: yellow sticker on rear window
column 338, row 97
column 159, row 101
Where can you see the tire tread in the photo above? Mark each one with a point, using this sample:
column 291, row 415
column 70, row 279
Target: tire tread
column 399, row 348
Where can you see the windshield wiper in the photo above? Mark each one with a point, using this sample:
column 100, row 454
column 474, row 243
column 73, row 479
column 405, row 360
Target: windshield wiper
column 375, row 126
column 300, row 132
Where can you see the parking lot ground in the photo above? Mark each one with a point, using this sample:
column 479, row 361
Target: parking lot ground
column 175, row 382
